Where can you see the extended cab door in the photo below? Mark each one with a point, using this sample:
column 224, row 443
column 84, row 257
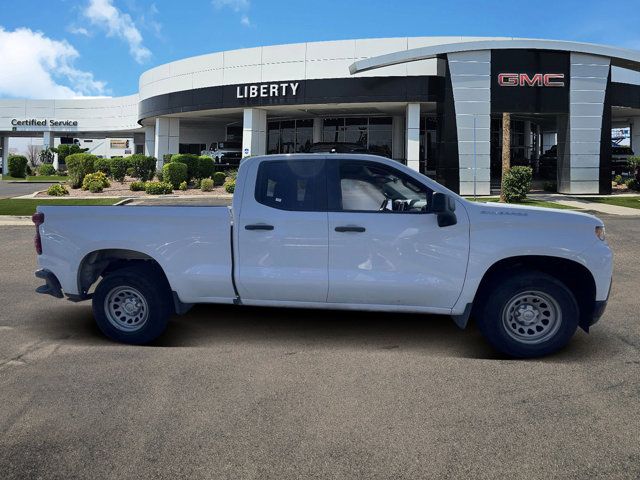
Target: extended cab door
column 385, row 247
column 283, row 232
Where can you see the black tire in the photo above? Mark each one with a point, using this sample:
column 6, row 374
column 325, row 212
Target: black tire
column 536, row 292
column 143, row 287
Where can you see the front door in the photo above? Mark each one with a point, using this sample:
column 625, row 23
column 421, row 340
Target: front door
column 282, row 233
column 385, row 247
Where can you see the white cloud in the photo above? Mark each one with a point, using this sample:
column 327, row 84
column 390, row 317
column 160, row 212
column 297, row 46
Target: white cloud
column 35, row 66
column 103, row 14
column 238, row 6
column 78, row 30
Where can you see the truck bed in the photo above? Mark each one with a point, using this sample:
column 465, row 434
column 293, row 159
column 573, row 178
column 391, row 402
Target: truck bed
column 192, row 244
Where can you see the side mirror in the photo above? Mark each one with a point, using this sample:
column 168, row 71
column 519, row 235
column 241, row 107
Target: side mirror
column 444, row 207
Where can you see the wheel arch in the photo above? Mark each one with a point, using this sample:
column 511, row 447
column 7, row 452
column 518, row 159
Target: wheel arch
column 578, row 279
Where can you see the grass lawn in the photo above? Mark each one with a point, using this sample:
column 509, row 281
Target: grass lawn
column 10, row 206
column 631, row 202
column 530, row 202
column 38, row 178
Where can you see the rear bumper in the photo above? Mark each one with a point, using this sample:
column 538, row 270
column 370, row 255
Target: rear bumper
column 52, row 284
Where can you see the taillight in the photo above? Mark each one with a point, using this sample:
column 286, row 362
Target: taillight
column 38, row 219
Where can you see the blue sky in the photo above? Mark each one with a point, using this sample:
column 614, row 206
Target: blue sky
column 65, row 48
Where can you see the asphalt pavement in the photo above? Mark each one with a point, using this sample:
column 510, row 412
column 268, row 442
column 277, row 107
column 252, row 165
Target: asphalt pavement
column 15, row 189
column 236, row 392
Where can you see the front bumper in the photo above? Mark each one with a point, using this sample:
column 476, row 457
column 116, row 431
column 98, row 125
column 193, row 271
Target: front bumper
column 599, row 307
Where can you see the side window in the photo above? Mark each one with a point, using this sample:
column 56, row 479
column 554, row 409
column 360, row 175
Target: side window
column 297, row 185
column 369, row 187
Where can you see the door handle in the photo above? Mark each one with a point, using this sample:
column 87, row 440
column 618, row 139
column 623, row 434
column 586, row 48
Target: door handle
column 350, row 228
column 258, row 226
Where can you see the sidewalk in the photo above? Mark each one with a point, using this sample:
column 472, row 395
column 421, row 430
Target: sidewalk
column 582, row 203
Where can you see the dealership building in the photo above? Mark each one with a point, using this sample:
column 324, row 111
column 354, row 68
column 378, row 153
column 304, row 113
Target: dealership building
column 432, row 103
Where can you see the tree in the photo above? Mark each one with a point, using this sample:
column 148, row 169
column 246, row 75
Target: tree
column 506, row 151
column 33, row 154
column 65, row 150
column 46, row 155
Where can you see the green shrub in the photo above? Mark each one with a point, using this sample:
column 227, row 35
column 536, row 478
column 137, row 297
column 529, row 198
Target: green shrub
column 65, row 150
column 183, row 186
column 634, row 164
column 137, row 186
column 144, row 167
column 94, row 186
column 517, row 183
column 29, row 171
column 219, row 178
column 166, row 158
column 191, row 161
column 57, row 190
column 175, row 173
column 17, row 166
column 118, row 168
column 205, row 167
column 206, row 185
column 550, row 187
column 130, row 171
column 232, row 174
column 98, row 178
column 158, row 188
column 617, row 179
column 79, row 165
column 230, row 186
column 632, row 184
column 160, row 175
column 46, row 169
column 102, row 165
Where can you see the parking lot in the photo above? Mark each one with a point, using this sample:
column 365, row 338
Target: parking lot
column 236, row 392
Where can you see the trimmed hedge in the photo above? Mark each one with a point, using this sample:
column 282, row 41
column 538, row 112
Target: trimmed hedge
column 144, row 167
column 158, row 188
column 230, row 186
column 102, row 165
column 79, row 165
column 205, row 166
column 118, row 168
column 175, row 173
column 57, row 190
column 517, row 183
column 183, row 186
column 46, row 169
column 95, row 182
column 17, row 166
column 137, row 186
column 206, row 185
column 219, row 178
column 191, row 161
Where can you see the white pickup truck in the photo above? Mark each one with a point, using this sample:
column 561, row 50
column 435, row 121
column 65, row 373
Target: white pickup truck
column 333, row 231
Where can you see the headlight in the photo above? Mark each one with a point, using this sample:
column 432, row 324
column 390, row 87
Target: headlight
column 600, row 232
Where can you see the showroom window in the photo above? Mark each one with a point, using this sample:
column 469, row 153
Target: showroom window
column 289, row 136
column 373, row 133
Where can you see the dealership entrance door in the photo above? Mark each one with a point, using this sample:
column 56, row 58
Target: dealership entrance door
column 536, row 141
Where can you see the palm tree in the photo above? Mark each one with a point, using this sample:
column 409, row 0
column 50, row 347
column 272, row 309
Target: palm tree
column 506, row 150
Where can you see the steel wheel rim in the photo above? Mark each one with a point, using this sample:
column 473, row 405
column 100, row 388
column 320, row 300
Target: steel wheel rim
column 531, row 317
column 126, row 309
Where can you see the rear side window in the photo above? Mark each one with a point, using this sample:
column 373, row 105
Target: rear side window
column 298, row 185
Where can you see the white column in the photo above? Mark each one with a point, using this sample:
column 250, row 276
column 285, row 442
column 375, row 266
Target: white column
column 317, row 130
column 5, row 155
column 397, row 138
column 634, row 123
column 150, row 141
column 254, row 132
column 166, row 138
column 413, row 136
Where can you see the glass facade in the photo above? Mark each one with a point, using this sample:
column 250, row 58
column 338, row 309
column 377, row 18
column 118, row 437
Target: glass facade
column 294, row 136
column 289, row 136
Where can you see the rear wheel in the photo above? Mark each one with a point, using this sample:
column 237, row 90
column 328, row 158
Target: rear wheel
column 528, row 315
column 131, row 306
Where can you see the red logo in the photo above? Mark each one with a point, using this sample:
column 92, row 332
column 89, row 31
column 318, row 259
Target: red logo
column 537, row 80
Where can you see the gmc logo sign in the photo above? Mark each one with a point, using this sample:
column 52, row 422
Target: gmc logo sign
column 537, row 80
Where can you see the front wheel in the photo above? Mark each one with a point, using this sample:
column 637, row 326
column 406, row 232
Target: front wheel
column 528, row 315
column 130, row 306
